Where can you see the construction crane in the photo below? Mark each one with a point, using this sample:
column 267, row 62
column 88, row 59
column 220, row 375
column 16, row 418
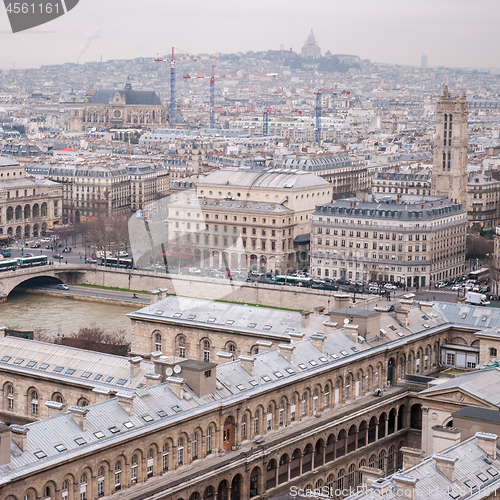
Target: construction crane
column 212, row 87
column 173, row 105
column 319, row 93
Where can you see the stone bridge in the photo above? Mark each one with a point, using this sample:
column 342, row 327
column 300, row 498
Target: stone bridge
column 63, row 273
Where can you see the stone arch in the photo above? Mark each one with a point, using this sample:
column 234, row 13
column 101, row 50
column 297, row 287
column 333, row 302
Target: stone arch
column 84, row 479
column 351, row 438
column 372, row 430
column 382, row 460
column 381, row 425
column 339, row 390
column 379, row 376
column 307, row 456
column 44, row 229
column 305, row 403
column 295, row 463
column 48, row 490
column 416, row 416
column 368, row 383
column 258, row 420
column 271, row 474
column 391, row 459
column 341, row 443
column 319, row 450
column 57, row 397
column 246, row 425
column 327, row 396
column 9, row 213
column 459, row 341
column 330, row 448
column 180, row 345
column 19, row 212
column 401, row 416
column 418, row 360
column 211, row 438
column 166, row 454
column 391, row 371
column 283, row 468
column 351, row 477
column 362, row 434
column 194, row 496
column 43, row 210
column 348, row 386
column 391, row 421
column 228, row 431
column 27, row 211
column 36, row 210
column 30, row 494
column 36, row 229
column 358, row 384
column 209, row 493
column 402, row 367
column 254, row 482
column 271, row 415
column 156, row 341
column 19, row 232
column 9, row 231
column 223, row 490
column 27, row 231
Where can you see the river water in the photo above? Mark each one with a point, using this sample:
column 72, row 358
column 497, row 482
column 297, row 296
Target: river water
column 62, row 316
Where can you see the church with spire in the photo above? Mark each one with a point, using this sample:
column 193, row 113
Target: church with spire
column 311, row 49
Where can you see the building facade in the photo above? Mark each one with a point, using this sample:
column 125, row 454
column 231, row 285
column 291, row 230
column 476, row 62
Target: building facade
column 449, row 170
column 412, row 240
column 28, row 207
column 401, row 183
column 120, row 108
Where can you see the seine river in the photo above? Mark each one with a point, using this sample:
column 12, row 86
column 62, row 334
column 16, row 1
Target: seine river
column 62, row 316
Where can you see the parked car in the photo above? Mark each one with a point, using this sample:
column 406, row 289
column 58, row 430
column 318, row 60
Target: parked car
column 390, row 286
column 342, row 282
column 62, row 286
column 28, row 255
column 194, row 270
column 57, row 256
column 456, row 287
column 91, row 261
column 36, row 245
column 441, row 284
column 256, row 273
column 122, row 253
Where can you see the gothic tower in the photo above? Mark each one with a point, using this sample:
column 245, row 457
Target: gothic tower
column 449, row 170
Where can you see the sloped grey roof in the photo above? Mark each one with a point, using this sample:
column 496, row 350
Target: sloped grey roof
column 132, row 97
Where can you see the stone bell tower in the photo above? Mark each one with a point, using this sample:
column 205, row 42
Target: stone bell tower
column 449, row 170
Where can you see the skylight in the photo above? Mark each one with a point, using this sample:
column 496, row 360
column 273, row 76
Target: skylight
column 254, row 383
column 482, row 477
column 162, row 413
column 290, row 371
column 44, row 366
column 266, row 378
column 121, row 381
column 109, row 379
column 128, row 425
column 492, row 472
column 267, row 327
column 313, row 363
column 59, row 369
column 192, row 316
column 335, row 356
column 278, row 374
column 98, row 377
column 40, row 454
column 147, row 418
column 159, row 312
column 114, row 429
column 323, row 360
column 252, row 325
column 70, row 371
column 99, row 434
column 60, row 447
column 177, row 315
column 211, row 320
column 344, row 353
column 425, row 318
column 355, row 349
column 303, row 366
column 5, row 359
column 240, row 387
column 31, row 364
column 176, row 408
column 229, row 321
column 80, row 441
column 18, row 361
column 86, row 374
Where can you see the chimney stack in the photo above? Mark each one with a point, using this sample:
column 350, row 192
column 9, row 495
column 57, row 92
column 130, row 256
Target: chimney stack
column 370, row 475
column 264, row 345
column 402, row 316
column 411, row 457
column 295, row 336
column 286, row 350
column 126, row 401
column 2, row 331
column 54, row 408
column 445, row 465
column 318, row 341
column 319, row 309
column 19, row 435
column 79, row 416
column 247, row 363
column 305, row 318
column 176, row 385
column 406, row 485
column 330, row 326
column 162, row 293
column 352, row 331
column 154, row 296
column 426, row 307
column 135, row 366
column 488, row 443
column 5, row 436
column 152, row 379
column 406, row 304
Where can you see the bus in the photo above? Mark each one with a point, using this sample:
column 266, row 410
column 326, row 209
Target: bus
column 5, row 265
column 40, row 260
column 6, row 252
column 480, row 276
column 114, row 262
column 292, row 280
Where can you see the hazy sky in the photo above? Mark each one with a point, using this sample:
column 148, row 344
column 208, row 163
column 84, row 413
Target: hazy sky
column 456, row 33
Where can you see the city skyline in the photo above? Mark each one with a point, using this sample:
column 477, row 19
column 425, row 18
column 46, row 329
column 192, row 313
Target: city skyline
column 382, row 32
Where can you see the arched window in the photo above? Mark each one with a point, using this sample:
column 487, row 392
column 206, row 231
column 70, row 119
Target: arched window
column 64, row 490
column 182, row 347
column 304, row 403
column 151, row 462
column 281, row 415
column 34, row 402
column 340, row 480
column 134, row 467
column 362, row 463
column 46, row 493
column 100, row 482
column 206, row 351
column 315, row 401
column 381, row 460
column 57, row 398
column 269, row 418
column 180, row 452
column 347, row 388
column 157, row 342
column 376, row 377
column 232, row 349
column 10, row 397
column 292, row 409
column 367, row 381
column 326, row 396
column 83, row 486
column 244, row 427
column 351, row 476
column 82, row 402
column 209, row 440
column 165, row 457
column 371, row 461
column 118, row 475
column 256, row 422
